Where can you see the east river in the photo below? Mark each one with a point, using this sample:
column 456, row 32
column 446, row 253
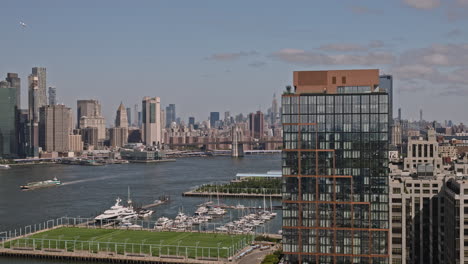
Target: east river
column 89, row 190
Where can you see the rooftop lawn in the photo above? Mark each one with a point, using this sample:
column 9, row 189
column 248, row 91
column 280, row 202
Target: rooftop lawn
column 135, row 241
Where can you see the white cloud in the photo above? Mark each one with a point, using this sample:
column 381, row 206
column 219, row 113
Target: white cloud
column 414, row 71
column 454, row 33
column 342, row 47
column 257, row 64
column 349, row 47
column 302, row 57
column 363, row 10
column 438, row 54
column 422, row 4
column 231, row 56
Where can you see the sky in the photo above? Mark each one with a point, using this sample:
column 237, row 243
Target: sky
column 212, row 55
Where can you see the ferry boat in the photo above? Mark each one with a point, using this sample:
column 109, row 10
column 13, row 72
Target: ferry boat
column 41, row 184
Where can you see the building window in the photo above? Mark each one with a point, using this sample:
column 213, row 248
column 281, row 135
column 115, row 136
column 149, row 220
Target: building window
column 152, row 113
column 396, row 251
column 343, row 79
column 334, row 80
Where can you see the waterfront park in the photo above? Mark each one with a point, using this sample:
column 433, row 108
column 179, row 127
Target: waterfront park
column 73, row 239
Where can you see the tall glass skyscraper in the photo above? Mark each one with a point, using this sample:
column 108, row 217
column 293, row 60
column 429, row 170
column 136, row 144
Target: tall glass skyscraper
column 170, row 114
column 41, row 74
column 335, row 168
column 52, row 96
column 214, row 117
column 8, row 124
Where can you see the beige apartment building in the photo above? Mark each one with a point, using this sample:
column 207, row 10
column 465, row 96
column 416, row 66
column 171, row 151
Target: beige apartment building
column 423, row 151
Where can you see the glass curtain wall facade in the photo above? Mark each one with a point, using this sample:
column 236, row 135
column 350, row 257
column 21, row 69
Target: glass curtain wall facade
column 8, row 129
column 335, row 177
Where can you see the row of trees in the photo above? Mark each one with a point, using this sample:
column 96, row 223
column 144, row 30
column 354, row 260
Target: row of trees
column 251, row 186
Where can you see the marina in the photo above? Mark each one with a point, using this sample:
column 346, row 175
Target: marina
column 95, row 189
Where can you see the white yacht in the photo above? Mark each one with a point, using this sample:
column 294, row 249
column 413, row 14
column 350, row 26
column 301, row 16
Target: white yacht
column 129, row 225
column 163, row 223
column 144, row 213
column 181, row 217
column 216, row 211
column 4, row 167
column 117, row 211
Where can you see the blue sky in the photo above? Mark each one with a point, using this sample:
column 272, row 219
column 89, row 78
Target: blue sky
column 233, row 55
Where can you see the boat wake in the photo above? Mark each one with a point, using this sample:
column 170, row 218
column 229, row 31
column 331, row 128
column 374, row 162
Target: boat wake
column 88, row 180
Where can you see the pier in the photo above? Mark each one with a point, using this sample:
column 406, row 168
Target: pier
column 155, row 204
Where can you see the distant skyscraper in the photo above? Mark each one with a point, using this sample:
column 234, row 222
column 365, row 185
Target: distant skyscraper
column 129, row 116
column 399, row 113
column 151, row 118
column 420, row 115
column 34, row 103
column 170, row 114
column 256, row 124
column 191, row 120
column 121, row 117
column 15, row 82
column 54, row 128
column 136, row 117
column 8, row 121
column 33, row 98
column 140, row 121
column 214, row 117
column 23, row 133
column 41, row 75
column 118, row 136
column 89, row 115
column 274, row 110
column 227, row 118
column 52, row 96
column 89, row 136
column 335, row 168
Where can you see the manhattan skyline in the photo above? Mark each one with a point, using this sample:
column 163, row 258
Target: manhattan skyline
column 234, row 56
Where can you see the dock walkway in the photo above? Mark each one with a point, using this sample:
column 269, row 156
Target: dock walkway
column 100, row 257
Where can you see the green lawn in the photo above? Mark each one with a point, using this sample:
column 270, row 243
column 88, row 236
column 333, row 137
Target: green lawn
column 146, row 242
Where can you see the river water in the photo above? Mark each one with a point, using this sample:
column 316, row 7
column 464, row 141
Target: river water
column 88, row 191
